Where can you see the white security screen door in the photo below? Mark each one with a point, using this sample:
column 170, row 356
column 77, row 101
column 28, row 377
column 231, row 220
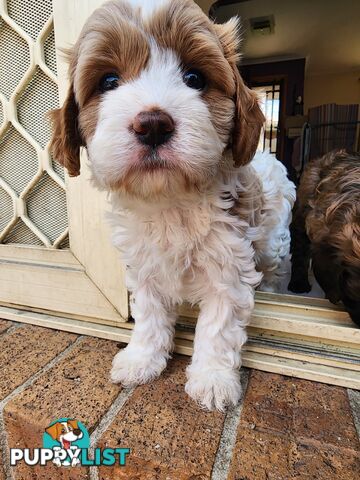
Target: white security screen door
column 55, row 251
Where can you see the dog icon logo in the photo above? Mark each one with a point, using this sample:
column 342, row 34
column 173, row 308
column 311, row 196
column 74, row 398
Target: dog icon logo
column 66, row 437
column 66, row 443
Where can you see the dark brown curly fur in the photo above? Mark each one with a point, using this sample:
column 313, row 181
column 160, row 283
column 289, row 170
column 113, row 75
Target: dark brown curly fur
column 326, row 229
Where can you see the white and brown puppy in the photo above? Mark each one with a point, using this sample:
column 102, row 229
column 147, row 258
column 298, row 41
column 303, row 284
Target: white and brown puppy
column 65, row 433
column 157, row 99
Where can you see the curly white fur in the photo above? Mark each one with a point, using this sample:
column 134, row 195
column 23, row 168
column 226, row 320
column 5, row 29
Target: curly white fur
column 194, row 250
column 279, row 195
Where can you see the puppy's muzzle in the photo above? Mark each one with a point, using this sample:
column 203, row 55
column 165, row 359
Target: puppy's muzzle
column 153, row 128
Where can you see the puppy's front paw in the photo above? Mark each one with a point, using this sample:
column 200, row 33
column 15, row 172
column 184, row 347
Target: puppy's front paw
column 213, row 389
column 132, row 366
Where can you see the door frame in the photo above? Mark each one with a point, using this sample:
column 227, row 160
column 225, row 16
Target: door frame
column 88, row 281
column 291, row 75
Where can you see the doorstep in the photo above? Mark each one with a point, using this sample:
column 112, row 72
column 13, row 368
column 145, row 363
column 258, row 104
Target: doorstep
column 284, row 428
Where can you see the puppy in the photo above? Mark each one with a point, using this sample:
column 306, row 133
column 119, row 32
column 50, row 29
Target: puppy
column 170, row 128
column 326, row 229
column 65, row 433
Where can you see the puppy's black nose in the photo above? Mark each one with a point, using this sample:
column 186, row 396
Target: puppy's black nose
column 77, row 431
column 153, row 128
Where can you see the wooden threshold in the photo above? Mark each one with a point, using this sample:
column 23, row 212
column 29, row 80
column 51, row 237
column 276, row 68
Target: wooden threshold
column 323, row 359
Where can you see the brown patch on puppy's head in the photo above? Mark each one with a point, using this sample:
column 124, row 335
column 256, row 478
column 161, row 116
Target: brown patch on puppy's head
column 214, row 50
column 73, row 424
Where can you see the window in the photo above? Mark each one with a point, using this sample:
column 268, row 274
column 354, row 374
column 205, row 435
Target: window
column 269, row 96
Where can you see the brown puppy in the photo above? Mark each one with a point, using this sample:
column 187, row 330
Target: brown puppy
column 326, row 229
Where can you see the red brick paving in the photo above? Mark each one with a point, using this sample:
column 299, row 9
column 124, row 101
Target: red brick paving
column 25, row 350
column 288, row 429
column 295, row 429
column 77, row 387
column 169, row 435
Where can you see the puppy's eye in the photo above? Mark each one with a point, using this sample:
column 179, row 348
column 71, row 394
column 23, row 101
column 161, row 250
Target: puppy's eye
column 110, row 81
column 194, row 79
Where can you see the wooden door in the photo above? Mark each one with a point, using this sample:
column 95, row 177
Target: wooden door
column 55, row 249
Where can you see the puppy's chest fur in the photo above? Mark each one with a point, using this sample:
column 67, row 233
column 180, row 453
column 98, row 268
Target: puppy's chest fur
column 179, row 248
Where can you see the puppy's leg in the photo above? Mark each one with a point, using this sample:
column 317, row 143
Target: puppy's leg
column 273, row 248
column 213, row 376
column 272, row 262
column 300, row 255
column 151, row 342
column 326, row 273
column 272, row 278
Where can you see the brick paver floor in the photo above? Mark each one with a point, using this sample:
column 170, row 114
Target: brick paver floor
column 284, row 428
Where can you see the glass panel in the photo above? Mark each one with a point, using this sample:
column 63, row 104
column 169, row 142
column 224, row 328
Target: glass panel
column 269, row 96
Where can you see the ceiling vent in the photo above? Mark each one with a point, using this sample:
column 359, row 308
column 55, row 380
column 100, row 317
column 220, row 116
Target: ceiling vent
column 262, row 25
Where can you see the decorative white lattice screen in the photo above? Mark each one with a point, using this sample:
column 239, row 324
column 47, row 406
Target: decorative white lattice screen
column 32, row 189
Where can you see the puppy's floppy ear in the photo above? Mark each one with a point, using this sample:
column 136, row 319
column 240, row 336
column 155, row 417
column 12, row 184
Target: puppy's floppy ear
column 249, row 118
column 248, row 122
column 74, row 424
column 66, row 138
column 53, row 431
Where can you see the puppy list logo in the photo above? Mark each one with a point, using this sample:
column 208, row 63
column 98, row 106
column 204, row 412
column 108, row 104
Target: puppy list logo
column 65, row 437
column 66, row 443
